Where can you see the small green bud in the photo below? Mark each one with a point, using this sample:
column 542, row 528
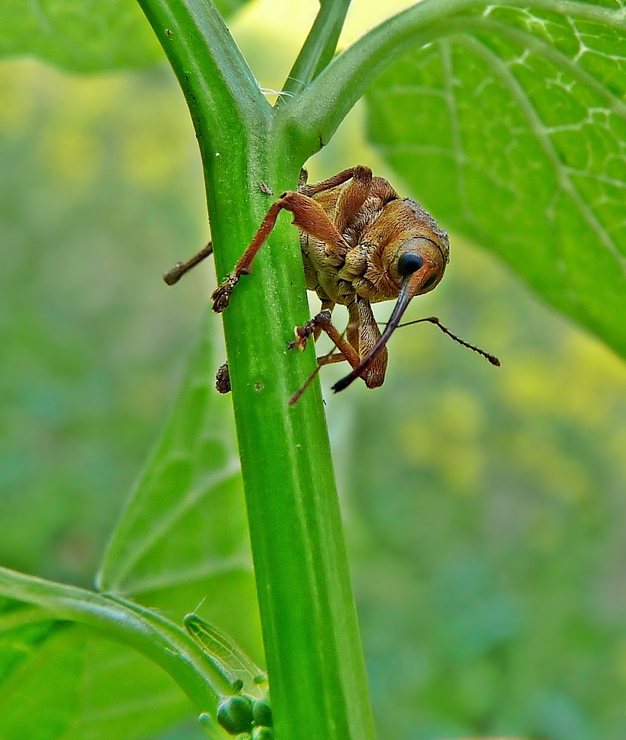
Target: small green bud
column 234, row 714
column 262, row 713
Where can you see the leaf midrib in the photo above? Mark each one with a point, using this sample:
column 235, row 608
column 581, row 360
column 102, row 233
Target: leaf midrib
column 165, row 522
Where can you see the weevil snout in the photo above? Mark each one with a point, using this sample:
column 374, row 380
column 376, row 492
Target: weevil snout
column 420, row 266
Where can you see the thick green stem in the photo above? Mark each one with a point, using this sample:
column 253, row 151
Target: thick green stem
column 314, row 657
column 312, row 644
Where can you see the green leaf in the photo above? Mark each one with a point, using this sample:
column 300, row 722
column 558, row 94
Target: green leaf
column 84, row 37
column 81, row 37
column 78, row 684
column 511, row 128
column 22, row 629
column 183, row 538
column 151, row 634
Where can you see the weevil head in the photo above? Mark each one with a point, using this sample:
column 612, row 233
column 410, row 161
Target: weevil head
column 418, row 264
column 419, row 256
column 415, row 259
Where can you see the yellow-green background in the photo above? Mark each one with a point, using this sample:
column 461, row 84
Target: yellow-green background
column 484, row 507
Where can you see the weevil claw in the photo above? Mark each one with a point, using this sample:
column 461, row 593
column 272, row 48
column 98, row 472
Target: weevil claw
column 221, row 295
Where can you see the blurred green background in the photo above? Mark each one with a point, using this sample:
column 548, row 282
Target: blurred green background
column 484, row 507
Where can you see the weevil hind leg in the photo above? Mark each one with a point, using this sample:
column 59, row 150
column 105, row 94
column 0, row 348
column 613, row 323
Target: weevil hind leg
column 332, row 182
column 352, row 198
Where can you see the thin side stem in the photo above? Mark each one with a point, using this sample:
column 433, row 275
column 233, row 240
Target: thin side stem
column 313, row 117
column 318, row 49
column 153, row 636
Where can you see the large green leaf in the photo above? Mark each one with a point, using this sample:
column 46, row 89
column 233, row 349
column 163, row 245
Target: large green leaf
column 77, row 684
column 511, row 128
column 22, row 630
column 183, row 538
column 82, row 36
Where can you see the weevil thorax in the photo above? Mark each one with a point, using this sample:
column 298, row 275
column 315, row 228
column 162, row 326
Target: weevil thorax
column 404, row 238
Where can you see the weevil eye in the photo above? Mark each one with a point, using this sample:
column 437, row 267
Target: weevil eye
column 409, row 263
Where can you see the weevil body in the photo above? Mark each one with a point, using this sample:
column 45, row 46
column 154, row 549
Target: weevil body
column 386, row 239
column 383, row 229
column 361, row 243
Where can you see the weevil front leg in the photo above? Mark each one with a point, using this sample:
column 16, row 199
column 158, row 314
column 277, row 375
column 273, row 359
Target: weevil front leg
column 353, row 197
column 328, row 359
column 309, row 216
column 322, row 322
column 362, row 335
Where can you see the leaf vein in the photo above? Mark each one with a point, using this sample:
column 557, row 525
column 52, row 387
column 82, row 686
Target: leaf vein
column 539, row 131
column 240, row 561
column 165, row 523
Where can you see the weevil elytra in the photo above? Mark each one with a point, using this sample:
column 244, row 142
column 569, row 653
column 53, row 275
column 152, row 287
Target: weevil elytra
column 361, row 243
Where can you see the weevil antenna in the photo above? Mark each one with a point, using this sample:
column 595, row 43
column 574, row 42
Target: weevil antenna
column 434, row 320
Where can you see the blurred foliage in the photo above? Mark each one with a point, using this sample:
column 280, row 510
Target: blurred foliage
column 490, row 547
column 92, row 342
column 82, row 36
column 483, row 506
column 182, row 541
column 85, row 37
column 94, row 347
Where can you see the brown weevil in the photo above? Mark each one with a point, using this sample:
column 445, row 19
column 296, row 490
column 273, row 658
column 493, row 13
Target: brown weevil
column 361, row 243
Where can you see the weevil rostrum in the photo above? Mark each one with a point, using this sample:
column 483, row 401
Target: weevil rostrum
column 361, row 244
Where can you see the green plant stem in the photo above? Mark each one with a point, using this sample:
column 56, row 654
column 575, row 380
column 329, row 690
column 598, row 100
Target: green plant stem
column 318, row 49
column 155, row 637
column 314, row 657
column 219, row 86
column 312, row 645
